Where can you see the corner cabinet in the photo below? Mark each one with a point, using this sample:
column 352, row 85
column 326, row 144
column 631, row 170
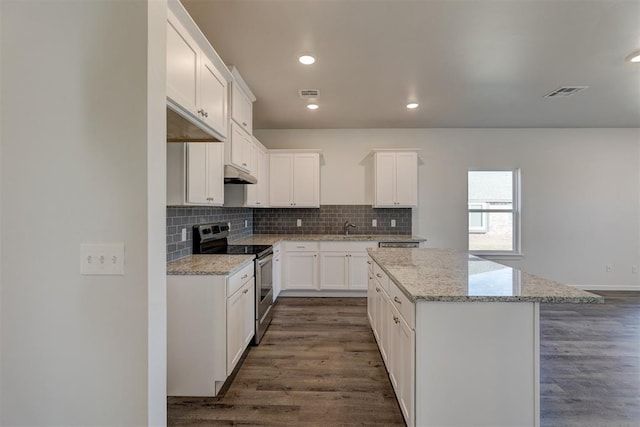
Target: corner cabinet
column 395, row 179
column 197, row 79
column 195, row 174
column 294, row 179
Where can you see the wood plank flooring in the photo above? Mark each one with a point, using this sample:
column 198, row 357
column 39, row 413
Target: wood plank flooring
column 318, row 365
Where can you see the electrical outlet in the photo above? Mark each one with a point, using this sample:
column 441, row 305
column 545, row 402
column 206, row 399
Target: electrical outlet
column 393, row 222
column 609, row 268
column 634, row 269
column 299, row 223
column 246, row 223
column 102, row 259
column 374, row 222
column 184, row 235
column 229, row 225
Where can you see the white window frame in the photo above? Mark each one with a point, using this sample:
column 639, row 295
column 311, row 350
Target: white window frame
column 485, row 218
column 515, row 211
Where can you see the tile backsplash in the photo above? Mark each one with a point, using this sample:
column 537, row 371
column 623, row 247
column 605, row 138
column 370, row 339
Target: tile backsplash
column 329, row 219
column 179, row 217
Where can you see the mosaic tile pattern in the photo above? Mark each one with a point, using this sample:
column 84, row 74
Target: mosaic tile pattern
column 329, row 219
column 179, row 217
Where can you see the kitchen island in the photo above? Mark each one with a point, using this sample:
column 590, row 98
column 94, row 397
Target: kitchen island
column 460, row 335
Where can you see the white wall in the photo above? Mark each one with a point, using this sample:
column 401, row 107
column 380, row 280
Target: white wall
column 580, row 190
column 76, row 146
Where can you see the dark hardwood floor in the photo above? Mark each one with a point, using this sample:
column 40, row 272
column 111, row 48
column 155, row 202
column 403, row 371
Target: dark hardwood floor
column 318, row 364
column 590, row 363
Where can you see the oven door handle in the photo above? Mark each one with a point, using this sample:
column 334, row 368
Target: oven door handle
column 264, row 260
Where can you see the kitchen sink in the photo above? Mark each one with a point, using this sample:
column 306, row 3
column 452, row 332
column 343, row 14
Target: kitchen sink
column 349, row 237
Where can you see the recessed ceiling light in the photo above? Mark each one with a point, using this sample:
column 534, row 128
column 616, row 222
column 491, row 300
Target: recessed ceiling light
column 634, row 57
column 312, row 106
column 412, row 105
column 307, row 59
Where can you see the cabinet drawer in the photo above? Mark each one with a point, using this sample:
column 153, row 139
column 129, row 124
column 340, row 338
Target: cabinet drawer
column 347, row 246
column 236, row 281
column 381, row 277
column 400, row 301
column 301, row 246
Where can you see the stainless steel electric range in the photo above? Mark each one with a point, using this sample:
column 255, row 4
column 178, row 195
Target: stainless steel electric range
column 212, row 239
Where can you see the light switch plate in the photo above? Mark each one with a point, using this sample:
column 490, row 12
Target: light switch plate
column 102, row 259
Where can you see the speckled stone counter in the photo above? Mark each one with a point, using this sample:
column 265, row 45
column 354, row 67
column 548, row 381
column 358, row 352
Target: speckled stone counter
column 216, row 265
column 447, row 275
column 272, row 239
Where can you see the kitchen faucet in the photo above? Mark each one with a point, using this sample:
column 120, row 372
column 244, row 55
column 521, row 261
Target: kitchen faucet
column 346, row 226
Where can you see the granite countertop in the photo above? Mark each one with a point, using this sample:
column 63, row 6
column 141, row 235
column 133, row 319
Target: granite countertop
column 215, row 265
column 272, row 239
column 448, row 275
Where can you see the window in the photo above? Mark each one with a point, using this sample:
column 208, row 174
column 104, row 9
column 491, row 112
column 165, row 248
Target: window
column 494, row 211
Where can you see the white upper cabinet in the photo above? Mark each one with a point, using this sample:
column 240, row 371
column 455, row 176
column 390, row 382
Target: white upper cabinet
column 205, row 180
column 240, row 147
column 396, row 179
column 257, row 195
column 196, row 77
column 195, row 174
column 294, row 179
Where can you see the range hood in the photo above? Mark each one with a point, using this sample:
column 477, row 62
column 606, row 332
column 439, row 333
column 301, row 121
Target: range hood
column 233, row 175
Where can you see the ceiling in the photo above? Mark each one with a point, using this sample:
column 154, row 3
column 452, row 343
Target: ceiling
column 469, row 63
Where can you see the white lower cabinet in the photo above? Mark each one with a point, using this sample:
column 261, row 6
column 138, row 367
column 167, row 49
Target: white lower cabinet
column 210, row 322
column 240, row 322
column 392, row 318
column 300, row 266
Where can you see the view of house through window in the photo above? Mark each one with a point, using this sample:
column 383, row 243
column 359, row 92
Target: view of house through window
column 493, row 210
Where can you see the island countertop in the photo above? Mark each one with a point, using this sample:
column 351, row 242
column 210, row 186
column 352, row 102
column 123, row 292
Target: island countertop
column 446, row 275
column 216, row 265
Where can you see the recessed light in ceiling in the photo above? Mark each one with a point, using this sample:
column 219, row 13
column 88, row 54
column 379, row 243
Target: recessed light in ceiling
column 313, row 106
column 634, row 57
column 412, row 105
column 307, row 59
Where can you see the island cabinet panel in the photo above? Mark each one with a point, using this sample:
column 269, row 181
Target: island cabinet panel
column 482, row 369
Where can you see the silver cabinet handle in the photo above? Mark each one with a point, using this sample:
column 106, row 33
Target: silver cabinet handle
column 244, row 164
column 245, row 276
column 397, row 300
column 395, row 319
column 300, row 247
column 244, row 123
column 257, row 203
column 201, row 111
column 377, row 289
column 369, row 262
column 378, row 275
column 245, row 291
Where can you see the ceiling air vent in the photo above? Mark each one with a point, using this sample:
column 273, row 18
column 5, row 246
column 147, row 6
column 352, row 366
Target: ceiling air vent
column 309, row 93
column 565, row 91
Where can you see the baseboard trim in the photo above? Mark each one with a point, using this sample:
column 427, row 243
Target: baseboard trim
column 320, row 294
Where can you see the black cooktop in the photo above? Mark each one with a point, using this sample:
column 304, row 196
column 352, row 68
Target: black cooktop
column 238, row 250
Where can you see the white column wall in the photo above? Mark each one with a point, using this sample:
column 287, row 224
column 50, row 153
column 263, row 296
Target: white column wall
column 77, row 142
column 580, row 190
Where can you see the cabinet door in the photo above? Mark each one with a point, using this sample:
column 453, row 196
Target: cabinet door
column 406, row 179
column 277, row 273
column 249, row 307
column 248, row 154
column 263, row 180
column 334, row 268
column 238, row 149
column 306, row 183
column 358, row 270
column 235, row 329
column 404, row 347
column 182, row 66
column 280, row 170
column 371, row 304
column 385, row 179
column 197, row 173
column 215, row 173
column 300, row 270
column 383, row 308
column 213, row 97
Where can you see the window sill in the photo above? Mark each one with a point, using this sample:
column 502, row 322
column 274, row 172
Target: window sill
column 494, row 256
